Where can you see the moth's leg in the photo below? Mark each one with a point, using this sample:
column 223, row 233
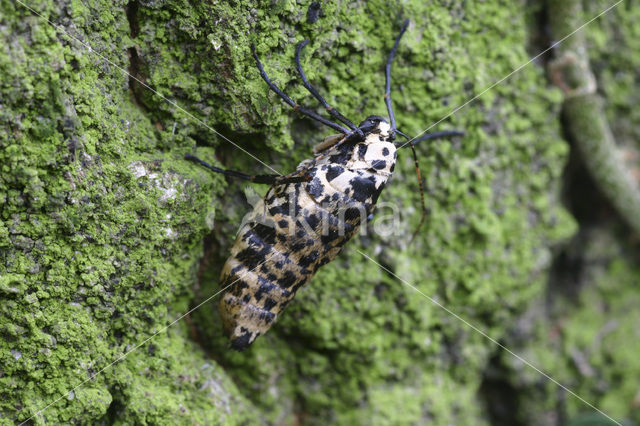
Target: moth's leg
column 334, row 112
column 333, row 141
column 295, row 177
column 301, row 109
column 387, row 92
column 266, row 179
column 327, row 143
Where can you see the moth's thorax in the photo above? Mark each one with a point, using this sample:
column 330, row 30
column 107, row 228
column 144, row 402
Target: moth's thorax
column 376, row 154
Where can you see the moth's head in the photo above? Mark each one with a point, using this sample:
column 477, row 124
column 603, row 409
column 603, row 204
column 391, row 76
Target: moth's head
column 375, row 124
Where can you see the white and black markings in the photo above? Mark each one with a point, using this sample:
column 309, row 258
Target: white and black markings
column 306, row 217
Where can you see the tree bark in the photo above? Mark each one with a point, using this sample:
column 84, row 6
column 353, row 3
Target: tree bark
column 108, row 235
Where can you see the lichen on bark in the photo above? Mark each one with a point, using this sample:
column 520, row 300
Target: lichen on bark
column 102, row 220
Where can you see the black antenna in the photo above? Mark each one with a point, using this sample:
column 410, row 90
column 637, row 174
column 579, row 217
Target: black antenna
column 427, row 136
column 296, row 107
column 334, row 112
column 387, row 93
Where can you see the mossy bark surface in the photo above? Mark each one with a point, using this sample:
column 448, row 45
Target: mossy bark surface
column 584, row 330
column 103, row 222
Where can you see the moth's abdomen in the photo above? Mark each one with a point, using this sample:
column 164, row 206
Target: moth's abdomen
column 268, row 264
column 261, row 277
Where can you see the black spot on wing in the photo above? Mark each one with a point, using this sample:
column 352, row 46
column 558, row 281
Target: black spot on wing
column 363, row 188
column 376, row 193
column 252, row 256
column 385, row 151
column 288, row 279
column 303, row 225
column 340, row 158
column 307, row 260
column 324, row 200
column 299, row 245
column 260, row 234
column 315, row 188
column 379, row 164
column 313, row 220
column 334, row 172
column 264, row 268
column 282, row 209
column 352, row 213
column 268, row 287
column 241, row 284
column 287, row 199
column 265, row 288
column 301, row 233
column 237, row 287
column 266, row 316
column 322, row 262
column 269, row 303
column 343, row 155
column 362, row 151
column 335, row 233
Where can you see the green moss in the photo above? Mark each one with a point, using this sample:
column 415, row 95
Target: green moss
column 584, row 332
column 103, row 221
column 99, row 230
column 589, row 342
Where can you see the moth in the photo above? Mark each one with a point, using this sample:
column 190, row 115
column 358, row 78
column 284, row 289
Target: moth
column 306, row 217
